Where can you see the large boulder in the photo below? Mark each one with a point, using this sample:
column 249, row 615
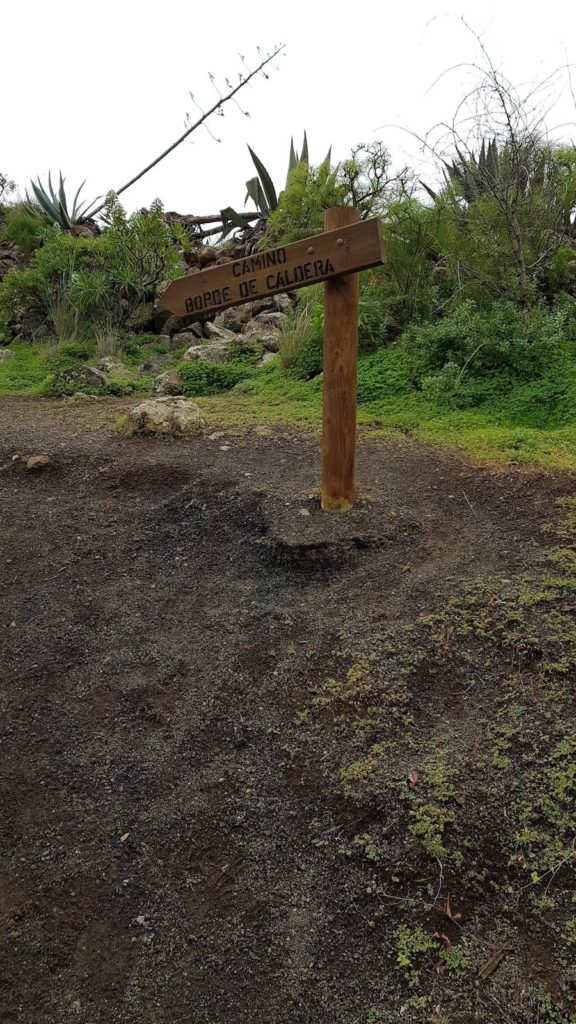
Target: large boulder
column 177, row 324
column 82, row 377
column 176, row 416
column 168, row 383
column 219, row 353
column 283, row 302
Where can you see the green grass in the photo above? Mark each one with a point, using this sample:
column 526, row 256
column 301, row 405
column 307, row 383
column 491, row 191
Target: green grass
column 531, row 422
column 30, row 370
column 493, row 432
column 26, row 371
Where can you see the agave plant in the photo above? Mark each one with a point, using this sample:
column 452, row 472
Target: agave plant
column 473, row 176
column 54, row 205
column 261, row 188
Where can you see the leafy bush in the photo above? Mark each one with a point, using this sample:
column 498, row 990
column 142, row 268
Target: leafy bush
column 140, row 250
column 300, row 209
column 71, row 352
column 73, row 282
column 24, row 227
column 502, row 337
column 203, row 378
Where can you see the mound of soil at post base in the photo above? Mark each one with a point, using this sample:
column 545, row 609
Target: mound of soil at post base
column 263, row 764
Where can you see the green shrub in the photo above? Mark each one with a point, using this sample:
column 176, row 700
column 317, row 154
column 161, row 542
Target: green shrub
column 71, row 352
column 502, row 337
column 119, row 386
column 203, row 378
column 24, row 227
column 75, row 283
column 300, row 211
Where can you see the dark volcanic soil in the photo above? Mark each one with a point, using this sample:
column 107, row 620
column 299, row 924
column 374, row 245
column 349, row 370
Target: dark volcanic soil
column 173, row 848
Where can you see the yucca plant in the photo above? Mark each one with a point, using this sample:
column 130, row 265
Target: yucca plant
column 54, row 204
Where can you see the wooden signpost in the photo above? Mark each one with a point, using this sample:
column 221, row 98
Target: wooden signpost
column 347, row 246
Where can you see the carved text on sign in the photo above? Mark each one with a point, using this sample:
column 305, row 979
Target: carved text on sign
column 349, row 249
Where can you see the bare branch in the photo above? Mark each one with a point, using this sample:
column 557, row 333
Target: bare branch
column 201, row 120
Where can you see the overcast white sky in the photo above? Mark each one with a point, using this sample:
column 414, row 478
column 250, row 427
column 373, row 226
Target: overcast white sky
column 100, row 87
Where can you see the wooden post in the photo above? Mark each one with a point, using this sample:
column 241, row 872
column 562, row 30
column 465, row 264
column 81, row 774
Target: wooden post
column 338, row 488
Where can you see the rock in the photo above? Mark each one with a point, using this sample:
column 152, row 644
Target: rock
column 177, row 324
column 155, row 363
column 83, row 376
column 191, row 336
column 218, row 333
column 112, row 365
column 266, row 358
column 6, row 354
column 36, row 462
column 263, row 328
column 268, row 321
column 270, row 342
column 283, row 302
column 234, row 319
column 263, row 305
column 141, row 318
column 208, row 353
column 178, row 417
column 207, row 254
column 168, row 383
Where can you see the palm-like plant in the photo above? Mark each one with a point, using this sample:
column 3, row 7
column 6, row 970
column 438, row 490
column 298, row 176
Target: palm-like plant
column 54, row 204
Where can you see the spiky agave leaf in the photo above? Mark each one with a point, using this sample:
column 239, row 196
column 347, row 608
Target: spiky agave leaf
column 304, row 153
column 256, row 193
column 293, row 161
column 327, row 159
column 44, row 202
column 433, row 195
column 266, row 181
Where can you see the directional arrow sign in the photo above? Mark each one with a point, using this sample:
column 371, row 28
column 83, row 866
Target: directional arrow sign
column 319, row 258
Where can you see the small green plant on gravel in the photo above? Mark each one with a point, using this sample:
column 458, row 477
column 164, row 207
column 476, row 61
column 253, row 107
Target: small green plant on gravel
column 433, row 815
column 368, row 846
column 374, row 1015
column 412, row 946
column 454, row 960
column 548, row 827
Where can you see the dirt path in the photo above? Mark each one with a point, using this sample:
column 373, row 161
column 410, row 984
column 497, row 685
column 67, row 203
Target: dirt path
column 179, row 842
